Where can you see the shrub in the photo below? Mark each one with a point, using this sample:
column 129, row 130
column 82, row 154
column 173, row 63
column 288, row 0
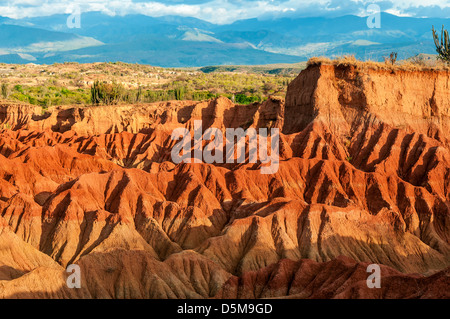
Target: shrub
column 244, row 99
column 18, row 88
column 105, row 93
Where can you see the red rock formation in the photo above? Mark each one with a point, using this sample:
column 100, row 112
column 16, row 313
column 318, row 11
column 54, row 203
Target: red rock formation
column 341, row 278
column 364, row 173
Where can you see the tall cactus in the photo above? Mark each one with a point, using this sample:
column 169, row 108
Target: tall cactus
column 95, row 93
column 442, row 46
column 5, row 90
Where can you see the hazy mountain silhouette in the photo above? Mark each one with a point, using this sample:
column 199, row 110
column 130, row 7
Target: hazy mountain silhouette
column 186, row 41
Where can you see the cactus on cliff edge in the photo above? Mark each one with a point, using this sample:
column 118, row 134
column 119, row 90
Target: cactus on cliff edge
column 442, row 46
column 393, row 57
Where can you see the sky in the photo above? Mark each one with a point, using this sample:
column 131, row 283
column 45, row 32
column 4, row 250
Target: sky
column 225, row 11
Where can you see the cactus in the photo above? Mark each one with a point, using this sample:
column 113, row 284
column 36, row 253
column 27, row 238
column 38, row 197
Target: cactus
column 393, row 57
column 179, row 93
column 105, row 93
column 442, row 46
column 95, row 96
column 5, row 90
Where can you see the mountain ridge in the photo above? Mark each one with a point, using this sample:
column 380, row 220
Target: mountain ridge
column 281, row 40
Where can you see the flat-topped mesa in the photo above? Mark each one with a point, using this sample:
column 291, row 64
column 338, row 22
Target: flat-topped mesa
column 343, row 96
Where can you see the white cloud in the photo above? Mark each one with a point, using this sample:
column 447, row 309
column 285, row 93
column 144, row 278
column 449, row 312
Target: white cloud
column 217, row 11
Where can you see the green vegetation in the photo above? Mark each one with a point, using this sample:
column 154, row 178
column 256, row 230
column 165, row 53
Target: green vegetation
column 48, row 95
column 115, row 83
column 5, row 91
column 106, row 93
column 442, row 45
column 241, row 88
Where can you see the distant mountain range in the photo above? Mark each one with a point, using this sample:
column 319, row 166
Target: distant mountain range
column 173, row 41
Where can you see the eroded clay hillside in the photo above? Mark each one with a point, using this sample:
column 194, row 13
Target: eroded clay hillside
column 364, row 177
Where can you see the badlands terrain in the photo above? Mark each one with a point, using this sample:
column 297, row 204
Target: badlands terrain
column 364, row 177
